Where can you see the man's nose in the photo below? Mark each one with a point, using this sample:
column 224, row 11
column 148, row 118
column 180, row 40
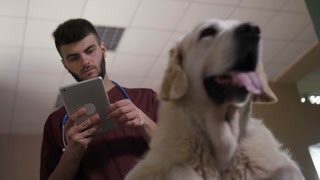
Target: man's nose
column 84, row 59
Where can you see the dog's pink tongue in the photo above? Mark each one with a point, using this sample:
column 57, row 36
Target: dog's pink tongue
column 249, row 80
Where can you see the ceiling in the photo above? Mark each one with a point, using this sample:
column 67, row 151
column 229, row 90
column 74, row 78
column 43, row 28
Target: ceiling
column 31, row 71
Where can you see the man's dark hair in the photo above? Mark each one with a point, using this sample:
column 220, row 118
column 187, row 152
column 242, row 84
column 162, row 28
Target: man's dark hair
column 73, row 30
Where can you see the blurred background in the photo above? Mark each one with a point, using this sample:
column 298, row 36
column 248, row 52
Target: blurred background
column 139, row 34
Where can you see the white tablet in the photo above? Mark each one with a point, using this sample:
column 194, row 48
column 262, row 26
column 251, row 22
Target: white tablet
column 92, row 95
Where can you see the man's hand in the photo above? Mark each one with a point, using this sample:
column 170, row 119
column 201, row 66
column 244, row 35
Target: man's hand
column 78, row 136
column 126, row 112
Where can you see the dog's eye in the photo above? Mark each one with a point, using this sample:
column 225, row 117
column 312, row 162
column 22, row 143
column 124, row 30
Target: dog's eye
column 208, row 32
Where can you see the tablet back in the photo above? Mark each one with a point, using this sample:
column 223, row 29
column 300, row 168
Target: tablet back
column 90, row 94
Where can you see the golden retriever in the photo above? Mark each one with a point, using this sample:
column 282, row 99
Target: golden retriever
column 205, row 128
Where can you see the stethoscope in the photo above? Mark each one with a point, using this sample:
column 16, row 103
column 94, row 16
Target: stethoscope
column 65, row 118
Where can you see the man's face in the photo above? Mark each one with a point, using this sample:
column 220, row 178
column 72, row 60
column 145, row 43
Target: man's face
column 84, row 59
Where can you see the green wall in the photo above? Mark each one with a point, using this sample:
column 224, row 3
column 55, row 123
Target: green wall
column 314, row 10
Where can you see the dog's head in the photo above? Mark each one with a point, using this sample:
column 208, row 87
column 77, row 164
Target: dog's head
column 214, row 73
column 221, row 58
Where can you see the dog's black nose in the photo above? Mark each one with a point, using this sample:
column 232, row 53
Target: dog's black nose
column 247, row 29
column 247, row 37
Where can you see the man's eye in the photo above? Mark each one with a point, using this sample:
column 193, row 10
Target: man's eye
column 89, row 51
column 73, row 58
column 208, row 32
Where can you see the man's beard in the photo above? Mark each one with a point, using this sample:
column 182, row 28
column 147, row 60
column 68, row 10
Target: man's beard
column 101, row 74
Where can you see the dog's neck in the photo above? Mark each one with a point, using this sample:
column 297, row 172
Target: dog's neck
column 222, row 127
column 214, row 130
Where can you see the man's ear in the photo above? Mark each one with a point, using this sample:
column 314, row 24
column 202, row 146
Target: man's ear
column 64, row 63
column 104, row 49
column 174, row 84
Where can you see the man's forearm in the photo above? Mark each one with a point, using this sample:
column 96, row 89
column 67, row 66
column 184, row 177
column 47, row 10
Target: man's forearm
column 68, row 166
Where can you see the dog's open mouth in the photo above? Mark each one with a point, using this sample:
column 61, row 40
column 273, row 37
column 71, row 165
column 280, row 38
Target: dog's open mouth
column 234, row 85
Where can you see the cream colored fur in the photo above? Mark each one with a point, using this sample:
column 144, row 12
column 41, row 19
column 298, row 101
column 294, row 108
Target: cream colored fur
column 193, row 140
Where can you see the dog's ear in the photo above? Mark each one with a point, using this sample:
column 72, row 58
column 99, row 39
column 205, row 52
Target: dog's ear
column 268, row 95
column 174, row 84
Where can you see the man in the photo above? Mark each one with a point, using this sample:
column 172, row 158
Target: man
column 109, row 155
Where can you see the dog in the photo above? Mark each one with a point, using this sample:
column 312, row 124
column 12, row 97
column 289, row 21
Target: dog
column 205, row 128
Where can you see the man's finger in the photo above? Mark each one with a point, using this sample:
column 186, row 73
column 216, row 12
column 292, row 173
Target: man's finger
column 128, row 116
column 87, row 123
column 117, row 113
column 87, row 133
column 118, row 104
column 73, row 117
